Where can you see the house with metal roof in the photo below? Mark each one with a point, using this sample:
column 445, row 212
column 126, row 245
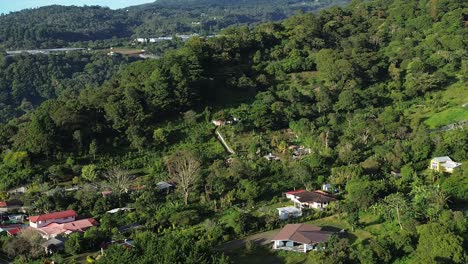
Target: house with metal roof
column 300, row 238
column 444, row 164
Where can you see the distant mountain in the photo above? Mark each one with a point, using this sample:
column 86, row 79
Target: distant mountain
column 56, row 26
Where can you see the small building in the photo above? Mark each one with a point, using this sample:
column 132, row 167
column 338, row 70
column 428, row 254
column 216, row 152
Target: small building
column 444, row 164
column 218, row 122
column 17, row 218
column 141, row 40
column 288, row 212
column 317, row 199
column 53, row 245
column 299, row 151
column 8, row 206
column 300, row 238
column 327, row 187
column 19, row 190
column 116, row 210
column 57, row 217
column 164, row 186
column 271, row 157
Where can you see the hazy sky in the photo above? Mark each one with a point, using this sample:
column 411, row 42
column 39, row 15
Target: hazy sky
column 7, row 6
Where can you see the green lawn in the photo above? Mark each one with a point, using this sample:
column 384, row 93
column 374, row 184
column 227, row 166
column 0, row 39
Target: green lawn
column 264, row 255
column 442, row 107
column 80, row 258
column 448, row 116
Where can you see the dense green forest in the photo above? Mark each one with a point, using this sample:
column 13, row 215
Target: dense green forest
column 57, row 26
column 367, row 87
column 26, row 81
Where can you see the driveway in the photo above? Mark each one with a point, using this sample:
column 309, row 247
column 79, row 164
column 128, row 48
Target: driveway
column 263, row 238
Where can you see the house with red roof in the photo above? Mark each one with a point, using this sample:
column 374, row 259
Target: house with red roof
column 53, row 230
column 57, row 217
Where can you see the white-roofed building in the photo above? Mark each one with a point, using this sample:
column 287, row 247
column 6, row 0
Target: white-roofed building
column 289, row 212
column 444, row 164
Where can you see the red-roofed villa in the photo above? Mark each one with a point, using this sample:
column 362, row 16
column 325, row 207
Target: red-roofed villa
column 57, row 217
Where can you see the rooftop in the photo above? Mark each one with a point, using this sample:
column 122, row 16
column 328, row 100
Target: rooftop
column 51, row 216
column 442, row 159
column 295, row 191
column 303, row 233
column 315, row 196
column 288, row 209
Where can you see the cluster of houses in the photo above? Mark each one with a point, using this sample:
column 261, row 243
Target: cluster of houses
column 55, row 227
column 306, row 237
column 303, row 237
column 52, row 227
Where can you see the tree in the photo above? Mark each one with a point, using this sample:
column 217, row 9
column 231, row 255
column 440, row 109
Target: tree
column 93, row 149
column 362, row 192
column 457, row 184
column 398, row 204
column 74, row 244
column 352, row 214
column 437, row 244
column 184, row 166
column 89, row 172
column 119, row 180
column 159, row 136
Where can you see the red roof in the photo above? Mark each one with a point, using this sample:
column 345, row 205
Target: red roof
column 75, row 226
column 295, row 192
column 10, row 203
column 14, row 231
column 51, row 216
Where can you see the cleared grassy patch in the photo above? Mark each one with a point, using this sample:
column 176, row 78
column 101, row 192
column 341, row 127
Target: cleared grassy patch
column 264, row 254
column 449, row 116
column 442, row 107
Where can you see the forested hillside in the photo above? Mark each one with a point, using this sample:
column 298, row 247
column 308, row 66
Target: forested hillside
column 57, row 26
column 26, row 81
column 366, row 87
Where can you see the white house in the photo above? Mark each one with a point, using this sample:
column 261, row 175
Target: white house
column 300, row 238
column 289, row 212
column 317, row 199
column 57, row 217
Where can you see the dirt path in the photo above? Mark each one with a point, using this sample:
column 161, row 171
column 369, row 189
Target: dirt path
column 263, row 238
column 221, row 138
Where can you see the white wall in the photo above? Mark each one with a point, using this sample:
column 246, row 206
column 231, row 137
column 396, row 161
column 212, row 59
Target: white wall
column 40, row 224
